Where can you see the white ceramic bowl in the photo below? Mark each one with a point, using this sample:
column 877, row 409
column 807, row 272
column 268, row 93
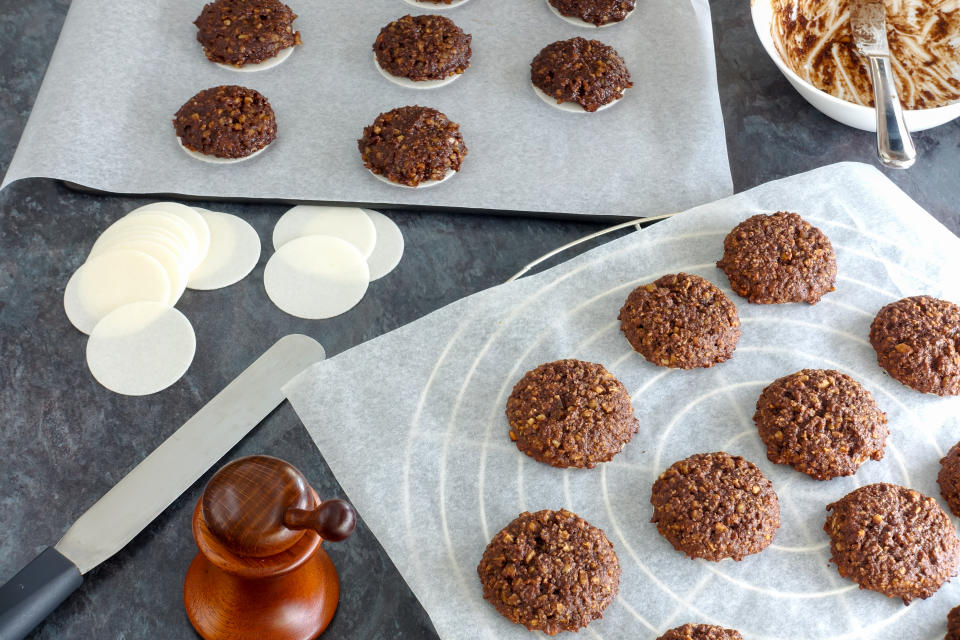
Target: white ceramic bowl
column 850, row 114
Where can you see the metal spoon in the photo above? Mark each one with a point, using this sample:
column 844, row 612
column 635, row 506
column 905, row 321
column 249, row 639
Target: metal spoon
column 869, row 26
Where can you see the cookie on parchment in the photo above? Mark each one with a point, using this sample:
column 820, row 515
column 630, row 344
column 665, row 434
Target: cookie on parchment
column 779, row 257
column 240, row 32
column 681, row 321
column 424, row 47
column 586, row 72
column 821, row 422
column 701, row 632
column 550, row 571
column 949, row 478
column 715, row 506
column 597, row 12
column 953, row 624
column 570, row 413
column 227, row 122
column 411, row 145
column 917, row 341
column 892, row 540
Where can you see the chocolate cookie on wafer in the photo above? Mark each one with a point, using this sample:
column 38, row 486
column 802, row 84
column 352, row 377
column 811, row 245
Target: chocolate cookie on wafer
column 949, row 478
column 241, row 32
column 892, row 540
column 917, row 341
column 226, row 122
column 423, row 47
column 821, row 422
column 597, row 12
column 586, row 72
column 715, row 506
column 953, row 624
column 681, row 321
column 550, row 571
column 778, row 257
column 412, row 145
column 570, row 413
column 701, row 632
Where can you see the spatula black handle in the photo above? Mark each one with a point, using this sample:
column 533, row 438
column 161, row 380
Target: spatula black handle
column 32, row 594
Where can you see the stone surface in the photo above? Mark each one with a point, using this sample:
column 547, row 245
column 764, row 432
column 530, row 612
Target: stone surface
column 64, row 440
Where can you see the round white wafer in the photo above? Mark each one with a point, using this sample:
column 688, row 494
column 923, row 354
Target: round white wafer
column 386, row 255
column 161, row 236
column 159, row 217
column 156, row 236
column 112, row 280
column 141, row 348
column 203, row 157
column 234, row 252
column 160, row 223
column 583, row 23
column 269, row 63
column 176, row 270
column 347, row 223
column 190, row 217
column 572, row 107
column 423, row 185
column 414, row 84
column 316, row 277
column 435, row 6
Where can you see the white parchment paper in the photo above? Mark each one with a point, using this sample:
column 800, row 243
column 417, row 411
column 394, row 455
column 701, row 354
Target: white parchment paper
column 412, row 422
column 122, row 69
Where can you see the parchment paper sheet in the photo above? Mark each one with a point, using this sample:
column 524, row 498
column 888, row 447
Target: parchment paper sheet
column 122, row 69
column 412, row 423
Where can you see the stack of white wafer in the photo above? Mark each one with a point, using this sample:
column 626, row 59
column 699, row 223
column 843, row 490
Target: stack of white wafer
column 123, row 296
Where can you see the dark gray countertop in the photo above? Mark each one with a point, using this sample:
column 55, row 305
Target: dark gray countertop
column 64, row 440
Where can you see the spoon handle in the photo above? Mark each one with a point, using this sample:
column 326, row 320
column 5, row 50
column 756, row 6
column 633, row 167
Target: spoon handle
column 894, row 144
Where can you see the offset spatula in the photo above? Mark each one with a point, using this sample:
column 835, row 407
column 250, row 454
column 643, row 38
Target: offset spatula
column 868, row 22
column 152, row 485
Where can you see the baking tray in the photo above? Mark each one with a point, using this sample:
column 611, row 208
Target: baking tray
column 552, row 215
column 125, row 68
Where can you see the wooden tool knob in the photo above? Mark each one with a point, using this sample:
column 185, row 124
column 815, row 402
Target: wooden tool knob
column 333, row 520
column 246, row 506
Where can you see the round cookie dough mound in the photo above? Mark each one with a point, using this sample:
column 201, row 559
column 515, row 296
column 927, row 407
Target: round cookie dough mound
column 820, row 422
column 949, row 478
column 777, row 258
column 892, row 540
column 570, row 413
column 228, row 121
column 423, row 47
column 587, row 72
column 953, row 624
column 239, row 32
column 598, row 12
column 917, row 341
column 550, row 571
column 701, row 632
column 715, row 506
column 410, row 145
column 681, row 321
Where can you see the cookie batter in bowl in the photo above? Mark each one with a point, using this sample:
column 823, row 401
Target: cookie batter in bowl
column 814, row 39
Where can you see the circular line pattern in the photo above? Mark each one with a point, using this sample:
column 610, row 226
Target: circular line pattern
column 487, row 447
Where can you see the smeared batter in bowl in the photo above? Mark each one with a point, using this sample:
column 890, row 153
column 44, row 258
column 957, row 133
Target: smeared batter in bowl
column 813, row 37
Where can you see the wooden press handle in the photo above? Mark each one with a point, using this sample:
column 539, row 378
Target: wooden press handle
column 333, row 520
